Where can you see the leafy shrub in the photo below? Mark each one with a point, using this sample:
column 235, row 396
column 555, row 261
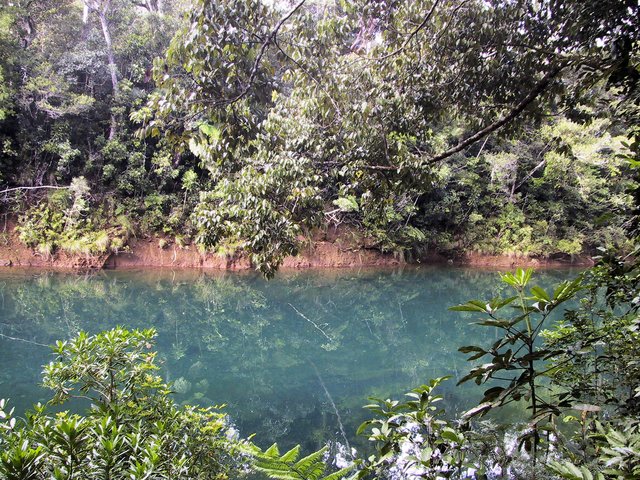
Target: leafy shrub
column 413, row 439
column 62, row 223
column 40, row 227
column 131, row 430
column 154, row 219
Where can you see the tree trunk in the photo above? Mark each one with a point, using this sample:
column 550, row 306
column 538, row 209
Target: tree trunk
column 27, row 30
column 154, row 6
column 112, row 68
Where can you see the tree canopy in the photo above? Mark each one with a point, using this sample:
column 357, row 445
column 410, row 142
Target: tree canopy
column 415, row 124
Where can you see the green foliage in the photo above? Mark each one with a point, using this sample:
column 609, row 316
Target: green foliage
column 132, row 429
column 413, row 439
column 530, row 206
column 290, row 467
column 40, row 228
column 6, row 90
column 198, row 74
column 155, row 213
column 617, row 457
column 347, row 204
column 276, row 201
column 591, row 367
column 597, row 360
column 516, row 351
column 111, row 369
column 362, row 134
column 63, row 223
column 364, row 120
column 598, row 343
column 189, row 180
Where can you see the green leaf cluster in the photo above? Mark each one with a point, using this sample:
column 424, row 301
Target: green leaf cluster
column 131, row 430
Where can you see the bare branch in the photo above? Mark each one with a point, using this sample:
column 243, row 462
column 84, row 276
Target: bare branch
column 380, row 167
column 315, row 325
column 530, row 174
column 7, row 190
column 23, row 340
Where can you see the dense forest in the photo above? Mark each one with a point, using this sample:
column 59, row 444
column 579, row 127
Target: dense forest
column 246, row 126
column 495, row 126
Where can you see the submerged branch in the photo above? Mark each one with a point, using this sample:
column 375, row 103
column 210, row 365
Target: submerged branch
column 333, row 405
column 2, row 335
column 311, row 322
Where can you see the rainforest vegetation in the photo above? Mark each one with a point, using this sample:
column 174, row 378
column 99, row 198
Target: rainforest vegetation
column 497, row 126
column 246, row 126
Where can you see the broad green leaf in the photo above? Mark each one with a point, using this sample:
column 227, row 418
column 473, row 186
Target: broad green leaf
column 347, row 204
column 210, row 131
column 471, row 306
column 450, row 434
column 540, row 294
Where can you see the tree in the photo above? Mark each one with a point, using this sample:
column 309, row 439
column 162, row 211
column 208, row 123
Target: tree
column 366, row 122
column 384, row 118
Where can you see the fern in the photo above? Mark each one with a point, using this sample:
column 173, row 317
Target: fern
column 288, row 467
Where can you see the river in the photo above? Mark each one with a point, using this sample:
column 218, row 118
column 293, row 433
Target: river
column 293, row 358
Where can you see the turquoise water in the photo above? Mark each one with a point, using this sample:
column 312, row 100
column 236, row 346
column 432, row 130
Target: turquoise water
column 294, row 358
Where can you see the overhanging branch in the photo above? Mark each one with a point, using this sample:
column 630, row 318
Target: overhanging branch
column 413, row 33
column 269, row 40
column 15, row 189
column 538, row 89
column 535, row 92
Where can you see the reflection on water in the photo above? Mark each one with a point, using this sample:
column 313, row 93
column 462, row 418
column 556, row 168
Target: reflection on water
column 294, row 358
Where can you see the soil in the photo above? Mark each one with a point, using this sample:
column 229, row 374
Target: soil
column 475, row 259
column 331, row 248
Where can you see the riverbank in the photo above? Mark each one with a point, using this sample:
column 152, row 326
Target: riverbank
column 328, row 250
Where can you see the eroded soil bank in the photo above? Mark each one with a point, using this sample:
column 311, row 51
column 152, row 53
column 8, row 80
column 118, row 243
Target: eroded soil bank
column 330, row 250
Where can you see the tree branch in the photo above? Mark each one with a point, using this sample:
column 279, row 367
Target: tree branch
column 311, row 76
column 540, row 87
column 379, row 167
column 7, row 190
column 530, row 174
column 270, row 39
column 413, row 33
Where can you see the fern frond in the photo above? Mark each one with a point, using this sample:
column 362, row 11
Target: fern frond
column 282, row 467
column 292, row 455
column 272, row 451
column 340, row 474
column 281, row 472
column 311, row 466
column 272, row 465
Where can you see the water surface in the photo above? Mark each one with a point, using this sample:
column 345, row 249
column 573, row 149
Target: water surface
column 294, row 358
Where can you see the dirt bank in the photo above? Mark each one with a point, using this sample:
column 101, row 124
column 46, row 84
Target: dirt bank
column 148, row 253
column 329, row 249
column 475, row 259
column 326, row 250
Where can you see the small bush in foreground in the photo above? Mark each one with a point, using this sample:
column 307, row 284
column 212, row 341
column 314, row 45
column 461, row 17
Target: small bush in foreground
column 132, row 429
